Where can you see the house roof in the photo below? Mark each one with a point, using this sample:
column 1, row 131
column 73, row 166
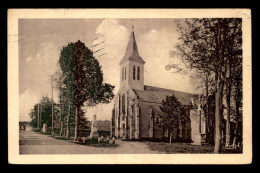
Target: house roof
column 104, row 125
column 132, row 51
column 157, row 95
column 101, row 125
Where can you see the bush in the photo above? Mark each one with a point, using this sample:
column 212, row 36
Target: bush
column 36, row 129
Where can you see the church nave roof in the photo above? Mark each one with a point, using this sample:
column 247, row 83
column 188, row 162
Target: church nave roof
column 156, row 95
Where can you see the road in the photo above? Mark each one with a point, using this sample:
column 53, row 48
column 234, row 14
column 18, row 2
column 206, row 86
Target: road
column 36, row 143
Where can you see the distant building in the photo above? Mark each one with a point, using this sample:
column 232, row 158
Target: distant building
column 137, row 105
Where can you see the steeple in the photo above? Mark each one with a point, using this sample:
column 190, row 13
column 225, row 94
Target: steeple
column 132, row 66
column 132, row 53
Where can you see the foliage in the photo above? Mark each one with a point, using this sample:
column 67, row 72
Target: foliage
column 212, row 46
column 173, row 113
column 45, row 112
column 82, row 80
column 83, row 77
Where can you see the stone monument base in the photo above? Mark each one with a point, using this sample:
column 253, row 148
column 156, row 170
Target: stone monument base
column 93, row 135
column 197, row 139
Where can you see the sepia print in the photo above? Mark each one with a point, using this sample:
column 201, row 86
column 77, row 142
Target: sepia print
column 117, row 88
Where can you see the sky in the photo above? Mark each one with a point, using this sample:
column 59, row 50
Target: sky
column 41, row 40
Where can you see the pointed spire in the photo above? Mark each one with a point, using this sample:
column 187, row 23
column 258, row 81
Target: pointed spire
column 132, row 50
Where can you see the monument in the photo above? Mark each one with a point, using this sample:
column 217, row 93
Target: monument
column 44, row 128
column 198, row 126
column 94, row 131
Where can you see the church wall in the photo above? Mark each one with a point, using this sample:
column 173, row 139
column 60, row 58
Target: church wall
column 124, row 122
column 158, row 133
column 113, row 120
column 117, row 116
column 144, row 120
column 187, row 131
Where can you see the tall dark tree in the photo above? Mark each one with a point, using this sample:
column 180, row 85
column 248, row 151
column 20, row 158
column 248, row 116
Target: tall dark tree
column 170, row 118
column 83, row 79
column 203, row 46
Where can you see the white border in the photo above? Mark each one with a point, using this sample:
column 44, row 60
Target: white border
column 13, row 88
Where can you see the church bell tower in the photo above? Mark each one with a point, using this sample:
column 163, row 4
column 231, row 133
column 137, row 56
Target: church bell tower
column 132, row 66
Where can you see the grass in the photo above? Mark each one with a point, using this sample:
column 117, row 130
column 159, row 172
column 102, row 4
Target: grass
column 175, row 148
column 88, row 143
column 102, row 145
column 179, row 147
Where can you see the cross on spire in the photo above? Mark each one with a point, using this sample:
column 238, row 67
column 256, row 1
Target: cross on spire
column 133, row 25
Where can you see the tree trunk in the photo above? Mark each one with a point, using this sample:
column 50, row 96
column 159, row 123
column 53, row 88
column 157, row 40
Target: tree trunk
column 228, row 121
column 217, row 148
column 52, row 121
column 236, row 128
column 76, row 125
column 61, row 122
column 61, row 128
column 68, row 124
column 235, row 135
column 209, row 132
column 170, row 138
column 163, row 134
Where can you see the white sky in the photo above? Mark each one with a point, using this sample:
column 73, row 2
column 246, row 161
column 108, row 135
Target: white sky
column 42, row 39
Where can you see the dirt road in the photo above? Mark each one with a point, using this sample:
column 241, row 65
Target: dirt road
column 35, row 143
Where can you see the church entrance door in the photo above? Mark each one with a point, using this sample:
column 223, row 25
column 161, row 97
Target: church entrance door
column 123, row 130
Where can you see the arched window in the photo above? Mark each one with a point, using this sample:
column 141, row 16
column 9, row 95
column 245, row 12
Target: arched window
column 138, row 73
column 122, row 73
column 134, row 72
column 125, row 72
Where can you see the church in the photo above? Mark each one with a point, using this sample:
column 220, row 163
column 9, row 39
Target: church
column 136, row 105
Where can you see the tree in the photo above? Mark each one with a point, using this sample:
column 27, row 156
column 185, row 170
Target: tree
column 203, row 46
column 58, row 78
column 237, row 95
column 234, row 65
column 171, row 115
column 33, row 115
column 83, row 79
column 45, row 110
